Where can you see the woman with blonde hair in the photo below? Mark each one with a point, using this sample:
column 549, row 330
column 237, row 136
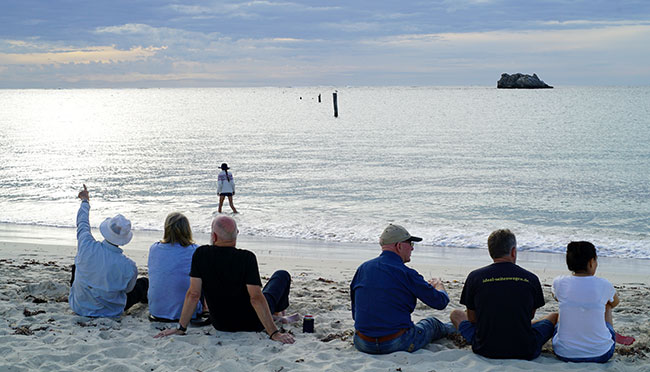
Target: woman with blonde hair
column 169, row 267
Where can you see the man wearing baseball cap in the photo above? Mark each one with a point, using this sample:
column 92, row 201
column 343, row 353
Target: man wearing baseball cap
column 384, row 292
column 104, row 281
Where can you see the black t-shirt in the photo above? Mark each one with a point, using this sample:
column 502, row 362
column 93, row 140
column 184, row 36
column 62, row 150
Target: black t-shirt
column 224, row 273
column 503, row 295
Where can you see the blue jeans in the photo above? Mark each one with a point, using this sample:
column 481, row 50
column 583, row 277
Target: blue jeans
column 543, row 331
column 424, row 332
column 599, row 359
column 277, row 290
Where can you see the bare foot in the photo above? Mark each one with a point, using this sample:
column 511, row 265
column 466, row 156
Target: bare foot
column 286, row 319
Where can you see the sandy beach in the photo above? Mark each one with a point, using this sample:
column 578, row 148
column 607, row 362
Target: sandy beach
column 40, row 332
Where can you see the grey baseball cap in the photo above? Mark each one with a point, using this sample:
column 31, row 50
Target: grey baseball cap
column 394, row 234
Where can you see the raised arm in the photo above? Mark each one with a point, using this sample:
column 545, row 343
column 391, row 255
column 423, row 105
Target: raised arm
column 83, row 194
column 258, row 301
column 83, row 224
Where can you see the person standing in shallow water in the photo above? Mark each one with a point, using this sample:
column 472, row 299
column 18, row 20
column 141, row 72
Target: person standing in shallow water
column 226, row 187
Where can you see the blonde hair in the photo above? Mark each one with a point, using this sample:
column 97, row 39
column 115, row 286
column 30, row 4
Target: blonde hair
column 177, row 230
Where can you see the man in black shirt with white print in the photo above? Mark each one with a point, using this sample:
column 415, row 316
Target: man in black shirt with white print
column 501, row 301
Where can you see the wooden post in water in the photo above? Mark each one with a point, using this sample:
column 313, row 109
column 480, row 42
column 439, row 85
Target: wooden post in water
column 336, row 106
column 318, row 97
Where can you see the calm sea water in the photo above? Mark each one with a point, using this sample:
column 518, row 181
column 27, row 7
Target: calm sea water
column 451, row 164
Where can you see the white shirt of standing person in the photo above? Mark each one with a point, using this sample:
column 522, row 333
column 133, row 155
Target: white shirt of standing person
column 225, row 184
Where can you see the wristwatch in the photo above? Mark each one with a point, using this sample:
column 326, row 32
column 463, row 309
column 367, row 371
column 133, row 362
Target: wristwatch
column 181, row 328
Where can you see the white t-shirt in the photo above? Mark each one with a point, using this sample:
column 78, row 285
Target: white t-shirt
column 581, row 330
column 225, row 183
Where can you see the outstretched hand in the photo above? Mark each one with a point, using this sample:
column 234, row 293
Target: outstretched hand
column 168, row 332
column 437, row 284
column 83, row 194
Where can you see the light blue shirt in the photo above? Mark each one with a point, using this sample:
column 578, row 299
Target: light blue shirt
column 169, row 279
column 103, row 274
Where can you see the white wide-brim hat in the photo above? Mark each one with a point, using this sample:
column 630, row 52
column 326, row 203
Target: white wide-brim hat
column 116, row 230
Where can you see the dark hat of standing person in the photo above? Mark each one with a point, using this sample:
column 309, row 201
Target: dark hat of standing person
column 224, row 166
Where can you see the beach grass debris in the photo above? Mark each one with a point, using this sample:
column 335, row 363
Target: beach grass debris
column 343, row 336
column 37, row 300
column 27, row 312
column 639, row 351
column 458, row 340
column 23, row 330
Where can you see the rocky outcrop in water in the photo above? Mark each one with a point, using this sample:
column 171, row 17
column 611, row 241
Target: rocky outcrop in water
column 521, row 81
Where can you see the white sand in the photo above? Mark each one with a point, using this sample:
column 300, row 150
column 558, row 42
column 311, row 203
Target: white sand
column 34, row 267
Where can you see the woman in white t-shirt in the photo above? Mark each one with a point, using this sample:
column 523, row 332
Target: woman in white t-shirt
column 584, row 331
column 225, row 187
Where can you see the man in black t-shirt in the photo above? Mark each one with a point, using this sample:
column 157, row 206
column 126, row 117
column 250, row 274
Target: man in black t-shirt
column 501, row 300
column 230, row 280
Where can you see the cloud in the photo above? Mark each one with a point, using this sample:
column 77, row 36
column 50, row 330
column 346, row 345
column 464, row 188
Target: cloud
column 586, row 22
column 97, row 54
column 246, row 10
column 178, row 55
column 142, row 34
column 458, row 5
column 204, row 46
column 236, row 72
column 190, row 9
column 135, row 77
column 353, row 26
column 129, row 28
column 538, row 41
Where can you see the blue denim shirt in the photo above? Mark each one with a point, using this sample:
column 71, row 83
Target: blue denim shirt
column 384, row 292
column 103, row 274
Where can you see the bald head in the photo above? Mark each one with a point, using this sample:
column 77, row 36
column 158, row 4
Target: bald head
column 224, row 231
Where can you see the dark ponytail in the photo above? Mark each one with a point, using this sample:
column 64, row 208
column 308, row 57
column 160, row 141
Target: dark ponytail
column 227, row 178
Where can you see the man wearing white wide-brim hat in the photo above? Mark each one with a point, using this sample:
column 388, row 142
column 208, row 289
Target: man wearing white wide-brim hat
column 104, row 281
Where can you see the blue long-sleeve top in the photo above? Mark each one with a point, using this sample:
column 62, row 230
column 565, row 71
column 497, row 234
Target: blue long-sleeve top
column 169, row 278
column 103, row 274
column 384, row 292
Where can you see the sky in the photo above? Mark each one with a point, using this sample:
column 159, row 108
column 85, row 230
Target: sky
column 162, row 43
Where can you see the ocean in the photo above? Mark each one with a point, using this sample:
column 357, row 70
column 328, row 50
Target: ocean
column 450, row 164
